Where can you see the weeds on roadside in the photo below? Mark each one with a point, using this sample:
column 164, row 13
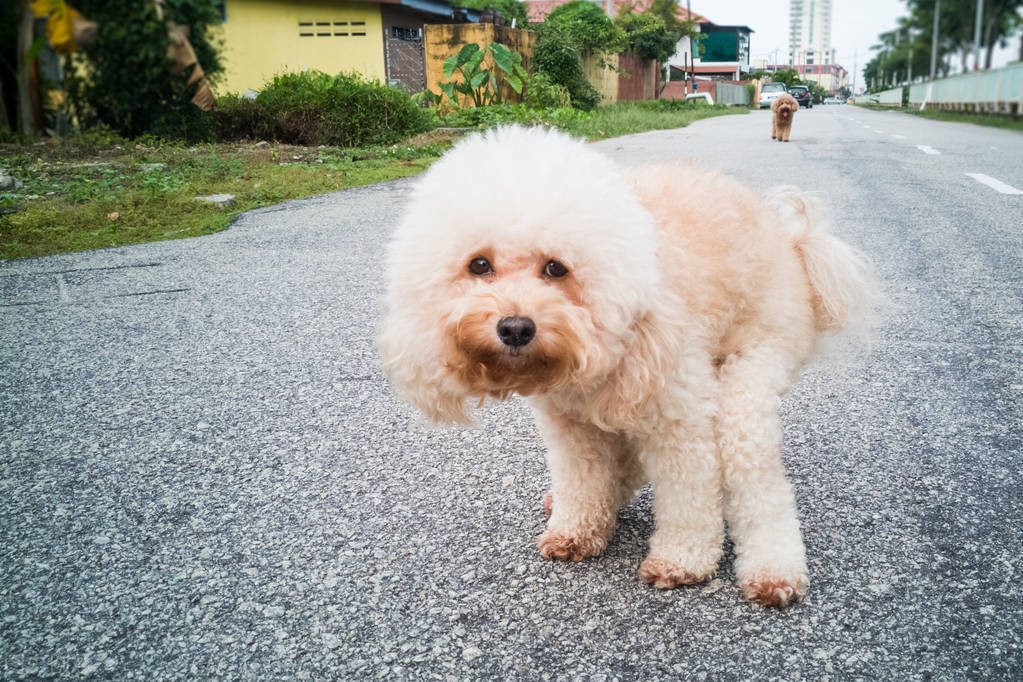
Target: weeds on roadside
column 146, row 192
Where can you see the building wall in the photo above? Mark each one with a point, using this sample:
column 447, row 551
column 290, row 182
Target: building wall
column 263, row 38
column 604, row 79
column 642, row 80
column 440, row 41
column 809, row 27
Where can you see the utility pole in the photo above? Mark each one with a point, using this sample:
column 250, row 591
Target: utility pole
column 692, row 44
column 976, row 35
column 856, row 69
column 934, row 39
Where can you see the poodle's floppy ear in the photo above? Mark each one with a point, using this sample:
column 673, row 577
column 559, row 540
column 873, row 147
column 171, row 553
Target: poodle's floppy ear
column 652, row 356
column 417, row 372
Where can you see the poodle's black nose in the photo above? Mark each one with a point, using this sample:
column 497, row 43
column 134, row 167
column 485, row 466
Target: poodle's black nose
column 516, row 331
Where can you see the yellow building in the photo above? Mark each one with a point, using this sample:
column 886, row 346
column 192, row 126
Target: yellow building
column 381, row 39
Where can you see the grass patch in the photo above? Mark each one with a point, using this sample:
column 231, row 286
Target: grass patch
column 76, row 198
column 627, row 118
column 98, row 191
column 990, row 120
column 623, row 118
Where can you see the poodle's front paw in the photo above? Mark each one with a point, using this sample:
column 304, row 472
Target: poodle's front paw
column 667, row 575
column 775, row 590
column 564, row 547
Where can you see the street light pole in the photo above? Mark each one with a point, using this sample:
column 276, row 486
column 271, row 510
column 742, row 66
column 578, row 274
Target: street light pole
column 976, row 35
column 934, row 39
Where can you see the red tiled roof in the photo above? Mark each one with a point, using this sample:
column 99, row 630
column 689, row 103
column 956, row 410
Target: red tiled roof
column 539, row 9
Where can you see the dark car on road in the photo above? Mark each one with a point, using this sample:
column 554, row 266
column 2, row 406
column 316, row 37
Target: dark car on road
column 802, row 95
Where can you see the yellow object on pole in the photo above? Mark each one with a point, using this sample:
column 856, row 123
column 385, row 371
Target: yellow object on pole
column 66, row 28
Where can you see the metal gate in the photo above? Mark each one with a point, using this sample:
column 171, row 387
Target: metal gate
column 406, row 62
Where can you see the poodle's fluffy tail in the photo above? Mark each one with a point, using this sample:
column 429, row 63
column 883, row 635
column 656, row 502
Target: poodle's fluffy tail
column 842, row 277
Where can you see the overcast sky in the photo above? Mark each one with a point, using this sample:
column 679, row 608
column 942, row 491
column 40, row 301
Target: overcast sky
column 855, row 25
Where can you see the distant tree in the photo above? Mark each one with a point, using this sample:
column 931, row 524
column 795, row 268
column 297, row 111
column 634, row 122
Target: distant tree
column 509, row 9
column 789, row 77
column 907, row 48
column 648, row 36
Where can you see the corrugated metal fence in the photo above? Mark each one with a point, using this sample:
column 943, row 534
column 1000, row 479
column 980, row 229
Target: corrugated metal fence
column 995, row 91
column 890, row 98
column 730, row 93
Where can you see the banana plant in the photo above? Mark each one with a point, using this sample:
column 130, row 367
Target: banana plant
column 482, row 85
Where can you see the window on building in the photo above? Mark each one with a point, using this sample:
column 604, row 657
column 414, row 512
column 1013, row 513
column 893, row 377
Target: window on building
column 325, row 29
column 809, row 69
column 403, row 33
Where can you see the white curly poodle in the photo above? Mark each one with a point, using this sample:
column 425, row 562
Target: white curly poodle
column 652, row 318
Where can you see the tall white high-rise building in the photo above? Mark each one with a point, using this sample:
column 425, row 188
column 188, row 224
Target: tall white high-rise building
column 810, row 32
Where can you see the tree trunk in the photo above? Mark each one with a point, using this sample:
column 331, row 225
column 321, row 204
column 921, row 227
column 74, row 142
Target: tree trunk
column 24, row 43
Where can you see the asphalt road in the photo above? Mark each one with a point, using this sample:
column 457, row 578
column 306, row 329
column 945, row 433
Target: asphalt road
column 205, row 475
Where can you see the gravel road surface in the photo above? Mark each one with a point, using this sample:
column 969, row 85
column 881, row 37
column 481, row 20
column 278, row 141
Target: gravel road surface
column 204, row 473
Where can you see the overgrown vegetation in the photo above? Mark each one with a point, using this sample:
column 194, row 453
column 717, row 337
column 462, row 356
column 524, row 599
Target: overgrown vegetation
column 312, row 108
column 125, row 81
column 560, row 62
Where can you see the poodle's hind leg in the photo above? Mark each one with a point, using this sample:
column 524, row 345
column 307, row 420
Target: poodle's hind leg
column 585, row 487
column 759, row 503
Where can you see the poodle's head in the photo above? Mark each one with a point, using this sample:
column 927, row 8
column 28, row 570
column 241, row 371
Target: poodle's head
column 521, row 266
column 785, row 106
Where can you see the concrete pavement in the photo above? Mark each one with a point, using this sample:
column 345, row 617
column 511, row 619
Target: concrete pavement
column 205, row 475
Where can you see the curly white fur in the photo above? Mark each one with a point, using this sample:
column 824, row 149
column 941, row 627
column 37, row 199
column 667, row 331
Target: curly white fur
column 688, row 307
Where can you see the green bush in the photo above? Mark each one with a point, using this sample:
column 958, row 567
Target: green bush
column 587, row 27
column 555, row 56
column 126, row 83
column 543, row 93
column 241, row 119
column 312, row 108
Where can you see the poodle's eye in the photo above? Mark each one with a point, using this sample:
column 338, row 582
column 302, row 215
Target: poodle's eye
column 480, row 266
column 555, row 269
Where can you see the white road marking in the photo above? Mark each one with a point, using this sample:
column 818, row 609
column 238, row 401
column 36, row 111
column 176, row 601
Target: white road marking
column 927, row 150
column 901, row 137
column 996, row 185
column 879, row 131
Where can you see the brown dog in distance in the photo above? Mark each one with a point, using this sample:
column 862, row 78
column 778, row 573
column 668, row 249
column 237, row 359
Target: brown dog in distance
column 783, row 110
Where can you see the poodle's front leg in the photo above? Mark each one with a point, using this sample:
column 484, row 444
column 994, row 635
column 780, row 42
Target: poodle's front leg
column 585, row 487
column 683, row 465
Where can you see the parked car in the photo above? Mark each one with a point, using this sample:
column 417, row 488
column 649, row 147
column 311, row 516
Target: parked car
column 802, row 95
column 771, row 92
